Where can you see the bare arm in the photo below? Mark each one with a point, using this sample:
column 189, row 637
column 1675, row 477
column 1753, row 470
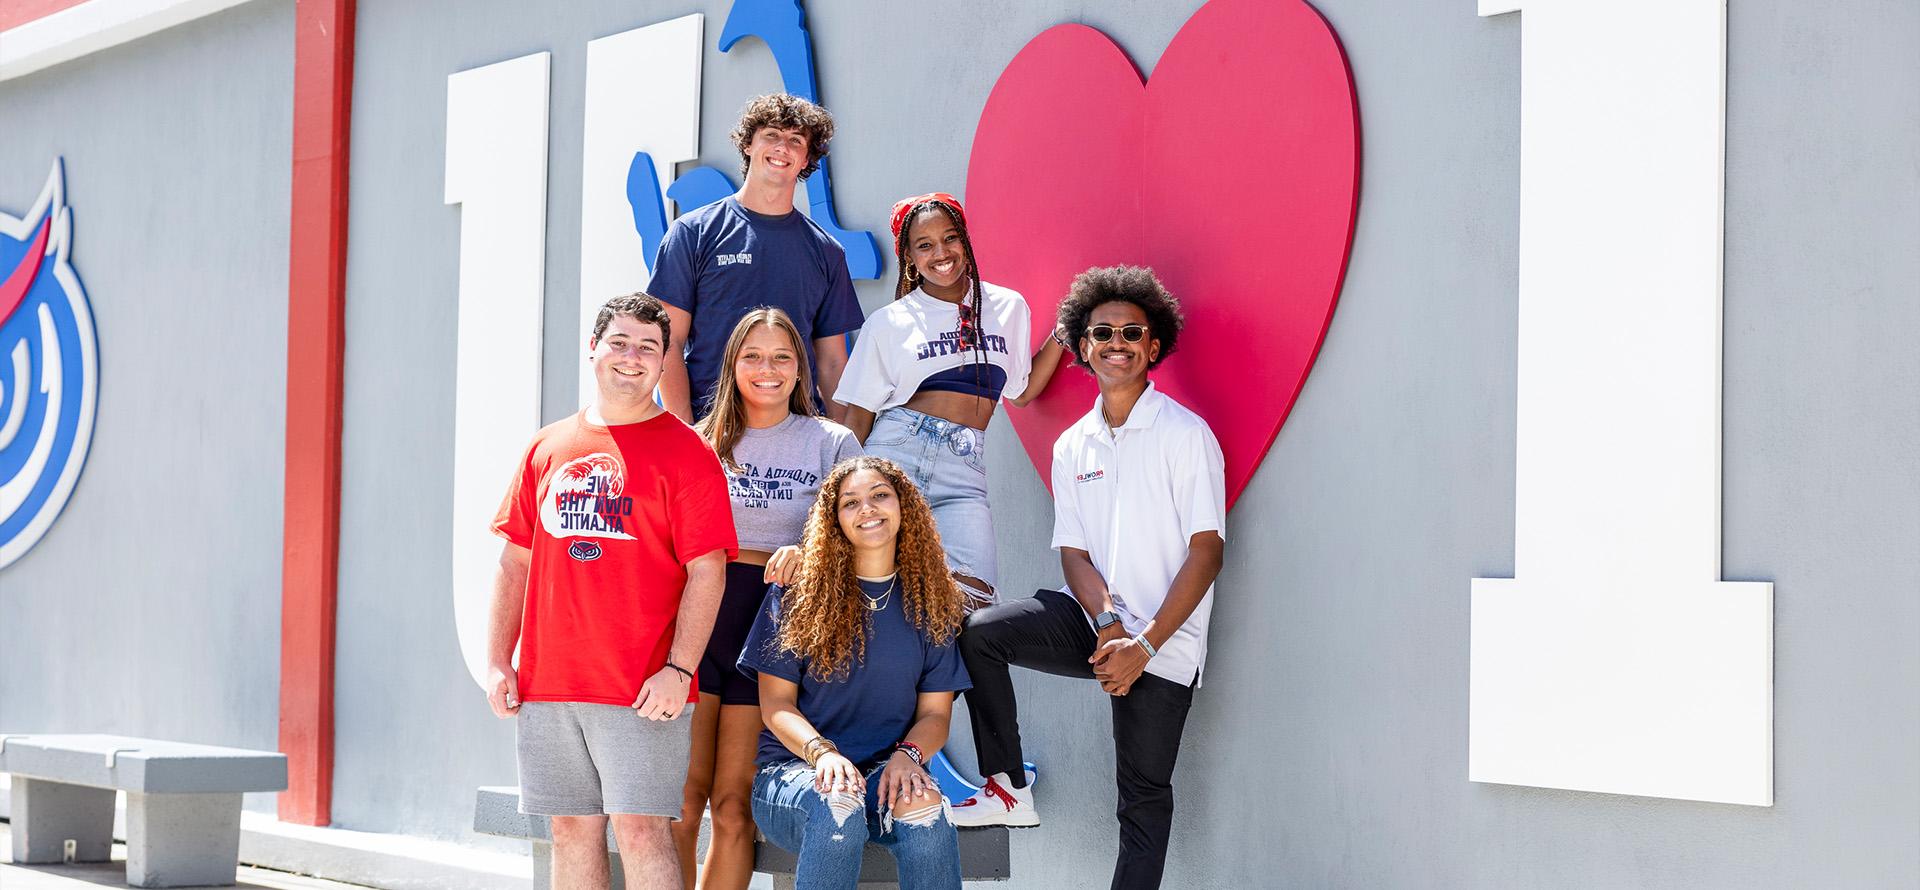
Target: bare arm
column 904, row 783
column 829, row 361
column 699, row 603
column 780, row 710
column 1085, row 581
column 503, row 628
column 858, row 419
column 1045, row 362
column 676, row 391
column 664, row 695
column 1205, row 553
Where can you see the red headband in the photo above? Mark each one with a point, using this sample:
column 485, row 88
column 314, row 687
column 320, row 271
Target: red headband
column 906, row 205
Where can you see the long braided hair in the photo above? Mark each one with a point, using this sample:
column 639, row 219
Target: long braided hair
column 909, row 279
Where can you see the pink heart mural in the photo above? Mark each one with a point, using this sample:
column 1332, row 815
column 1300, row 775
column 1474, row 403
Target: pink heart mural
column 1234, row 172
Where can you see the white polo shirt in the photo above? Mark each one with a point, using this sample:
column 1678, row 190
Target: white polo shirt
column 1132, row 498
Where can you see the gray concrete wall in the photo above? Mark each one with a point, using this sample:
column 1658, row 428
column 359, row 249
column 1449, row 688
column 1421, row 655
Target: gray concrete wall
column 1329, row 747
column 152, row 607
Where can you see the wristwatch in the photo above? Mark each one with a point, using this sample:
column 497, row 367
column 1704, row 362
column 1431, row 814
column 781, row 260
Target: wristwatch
column 1105, row 620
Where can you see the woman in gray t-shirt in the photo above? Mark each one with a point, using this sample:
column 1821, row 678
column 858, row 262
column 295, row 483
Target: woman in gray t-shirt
column 776, row 449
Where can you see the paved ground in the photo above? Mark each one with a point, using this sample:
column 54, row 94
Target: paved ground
column 114, row 874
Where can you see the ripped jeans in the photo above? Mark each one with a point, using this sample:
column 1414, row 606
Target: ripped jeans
column 830, row 836
column 947, row 461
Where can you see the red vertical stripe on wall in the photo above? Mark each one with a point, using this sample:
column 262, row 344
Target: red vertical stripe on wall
column 316, row 303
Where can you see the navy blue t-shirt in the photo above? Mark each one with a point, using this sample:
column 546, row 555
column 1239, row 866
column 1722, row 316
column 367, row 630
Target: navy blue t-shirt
column 869, row 710
column 722, row 260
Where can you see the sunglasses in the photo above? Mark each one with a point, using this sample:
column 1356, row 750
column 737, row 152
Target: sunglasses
column 1132, row 333
column 969, row 327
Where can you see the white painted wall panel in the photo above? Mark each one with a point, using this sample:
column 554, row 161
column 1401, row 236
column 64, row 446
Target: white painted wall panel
column 643, row 95
column 496, row 171
column 1615, row 659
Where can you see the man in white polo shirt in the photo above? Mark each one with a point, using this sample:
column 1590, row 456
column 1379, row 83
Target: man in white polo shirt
column 1139, row 490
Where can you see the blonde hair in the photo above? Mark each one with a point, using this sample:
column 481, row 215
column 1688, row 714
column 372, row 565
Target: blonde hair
column 822, row 616
column 727, row 421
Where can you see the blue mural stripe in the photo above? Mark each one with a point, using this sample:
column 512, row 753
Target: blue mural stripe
column 782, row 25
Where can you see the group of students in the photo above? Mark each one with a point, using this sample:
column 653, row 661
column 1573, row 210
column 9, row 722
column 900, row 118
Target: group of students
column 767, row 614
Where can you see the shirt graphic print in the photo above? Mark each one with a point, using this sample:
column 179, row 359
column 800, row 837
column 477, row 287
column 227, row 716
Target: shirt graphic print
column 586, row 499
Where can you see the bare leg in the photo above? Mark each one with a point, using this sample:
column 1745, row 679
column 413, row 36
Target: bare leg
column 978, row 594
column 729, row 864
column 646, row 851
column 693, row 802
column 580, row 853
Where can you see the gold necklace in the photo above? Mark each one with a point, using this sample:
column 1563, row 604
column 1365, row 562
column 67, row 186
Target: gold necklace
column 875, row 604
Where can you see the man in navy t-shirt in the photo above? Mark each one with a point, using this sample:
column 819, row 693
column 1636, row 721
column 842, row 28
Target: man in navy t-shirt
column 754, row 249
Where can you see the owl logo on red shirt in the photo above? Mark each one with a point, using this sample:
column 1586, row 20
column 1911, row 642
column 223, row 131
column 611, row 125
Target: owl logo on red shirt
column 585, row 499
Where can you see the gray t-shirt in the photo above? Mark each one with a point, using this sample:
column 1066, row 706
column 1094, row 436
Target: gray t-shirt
column 779, row 475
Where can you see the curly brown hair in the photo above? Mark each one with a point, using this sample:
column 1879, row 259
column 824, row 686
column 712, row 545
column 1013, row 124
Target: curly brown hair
column 785, row 112
column 822, row 616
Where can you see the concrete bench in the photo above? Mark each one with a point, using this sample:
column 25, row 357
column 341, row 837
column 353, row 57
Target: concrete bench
column 984, row 852
column 183, row 803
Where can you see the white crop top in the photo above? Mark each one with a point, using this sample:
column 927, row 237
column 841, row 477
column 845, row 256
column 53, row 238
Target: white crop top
column 912, row 338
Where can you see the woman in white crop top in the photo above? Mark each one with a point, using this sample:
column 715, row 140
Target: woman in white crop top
column 928, row 370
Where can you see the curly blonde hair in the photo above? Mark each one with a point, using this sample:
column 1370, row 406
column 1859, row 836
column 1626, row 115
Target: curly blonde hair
column 823, row 618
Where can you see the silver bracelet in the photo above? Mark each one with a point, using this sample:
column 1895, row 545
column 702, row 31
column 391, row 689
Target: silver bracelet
column 1141, row 638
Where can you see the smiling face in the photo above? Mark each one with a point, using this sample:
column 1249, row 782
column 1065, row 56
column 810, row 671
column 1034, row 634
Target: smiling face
column 626, row 362
column 775, row 156
column 936, row 250
column 869, row 511
column 767, row 369
column 1117, row 363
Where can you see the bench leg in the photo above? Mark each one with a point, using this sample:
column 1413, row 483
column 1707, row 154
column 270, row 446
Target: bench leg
column 543, row 867
column 48, row 814
column 182, row 840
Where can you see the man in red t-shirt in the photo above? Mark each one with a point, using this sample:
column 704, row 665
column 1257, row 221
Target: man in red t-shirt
column 618, row 534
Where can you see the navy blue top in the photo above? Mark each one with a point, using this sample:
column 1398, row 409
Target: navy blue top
column 974, row 379
column 869, row 710
column 720, row 261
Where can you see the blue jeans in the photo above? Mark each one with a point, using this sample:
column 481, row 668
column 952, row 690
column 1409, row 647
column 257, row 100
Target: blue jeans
column 801, row 820
column 947, row 461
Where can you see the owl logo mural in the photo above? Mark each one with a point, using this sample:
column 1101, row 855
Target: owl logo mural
column 49, row 369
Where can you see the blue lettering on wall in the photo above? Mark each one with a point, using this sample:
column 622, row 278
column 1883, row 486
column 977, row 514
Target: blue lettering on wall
column 781, row 24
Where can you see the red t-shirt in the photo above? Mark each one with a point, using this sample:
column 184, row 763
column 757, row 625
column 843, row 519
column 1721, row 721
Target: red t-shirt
column 612, row 515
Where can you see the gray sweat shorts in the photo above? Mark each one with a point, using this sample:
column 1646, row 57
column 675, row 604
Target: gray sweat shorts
column 579, row 759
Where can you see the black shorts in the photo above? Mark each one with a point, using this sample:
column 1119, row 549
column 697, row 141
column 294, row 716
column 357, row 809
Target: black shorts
column 719, row 673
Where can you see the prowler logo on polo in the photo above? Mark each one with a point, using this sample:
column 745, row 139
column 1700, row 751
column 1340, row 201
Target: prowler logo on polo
column 49, row 369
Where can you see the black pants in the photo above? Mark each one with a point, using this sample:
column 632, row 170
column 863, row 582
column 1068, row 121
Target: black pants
column 1050, row 633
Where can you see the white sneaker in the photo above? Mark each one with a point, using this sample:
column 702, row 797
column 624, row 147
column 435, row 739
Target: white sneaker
column 998, row 804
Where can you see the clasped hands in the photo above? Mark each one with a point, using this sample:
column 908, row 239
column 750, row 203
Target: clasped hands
column 1117, row 659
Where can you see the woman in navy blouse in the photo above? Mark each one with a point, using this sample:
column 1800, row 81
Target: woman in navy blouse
column 857, row 671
